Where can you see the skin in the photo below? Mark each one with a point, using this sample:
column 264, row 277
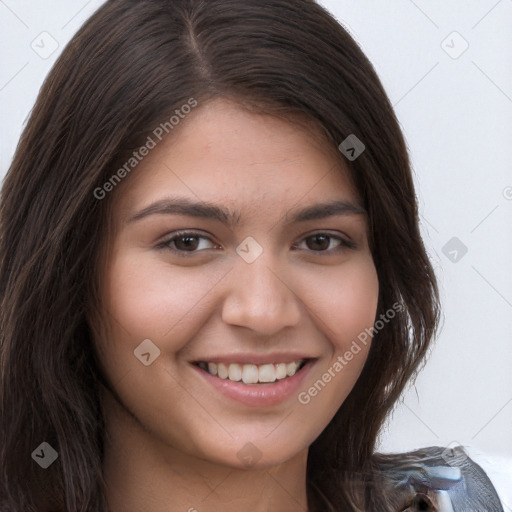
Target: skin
column 174, row 439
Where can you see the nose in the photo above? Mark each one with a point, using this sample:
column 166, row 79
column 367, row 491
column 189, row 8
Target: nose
column 260, row 298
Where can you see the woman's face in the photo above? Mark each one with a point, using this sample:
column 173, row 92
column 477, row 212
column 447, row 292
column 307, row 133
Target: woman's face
column 240, row 269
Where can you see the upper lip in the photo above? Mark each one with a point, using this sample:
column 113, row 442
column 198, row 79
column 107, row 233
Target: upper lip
column 258, row 359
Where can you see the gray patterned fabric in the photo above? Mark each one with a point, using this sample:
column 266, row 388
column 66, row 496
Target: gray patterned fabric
column 439, row 479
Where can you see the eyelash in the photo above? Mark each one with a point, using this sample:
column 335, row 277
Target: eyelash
column 166, row 244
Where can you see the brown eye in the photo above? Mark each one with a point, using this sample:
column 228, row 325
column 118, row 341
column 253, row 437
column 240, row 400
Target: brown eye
column 319, row 242
column 326, row 243
column 186, row 243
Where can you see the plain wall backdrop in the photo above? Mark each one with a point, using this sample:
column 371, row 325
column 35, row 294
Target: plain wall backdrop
column 446, row 66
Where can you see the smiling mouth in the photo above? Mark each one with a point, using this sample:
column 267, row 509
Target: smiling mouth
column 252, row 373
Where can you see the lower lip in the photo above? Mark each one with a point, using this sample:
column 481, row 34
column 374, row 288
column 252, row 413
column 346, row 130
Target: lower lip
column 259, row 395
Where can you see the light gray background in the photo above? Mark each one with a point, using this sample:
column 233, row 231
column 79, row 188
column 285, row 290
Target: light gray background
column 456, row 111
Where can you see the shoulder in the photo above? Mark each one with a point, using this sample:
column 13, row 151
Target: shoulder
column 442, row 479
column 499, row 470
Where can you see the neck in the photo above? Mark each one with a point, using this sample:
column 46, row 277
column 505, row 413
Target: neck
column 143, row 474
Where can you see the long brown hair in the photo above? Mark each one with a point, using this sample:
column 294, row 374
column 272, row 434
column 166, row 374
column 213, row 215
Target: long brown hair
column 128, row 69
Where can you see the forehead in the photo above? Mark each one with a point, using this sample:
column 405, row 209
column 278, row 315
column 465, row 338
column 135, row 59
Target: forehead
column 223, row 153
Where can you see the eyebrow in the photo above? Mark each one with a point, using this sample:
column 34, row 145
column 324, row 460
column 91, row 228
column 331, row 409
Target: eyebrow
column 205, row 210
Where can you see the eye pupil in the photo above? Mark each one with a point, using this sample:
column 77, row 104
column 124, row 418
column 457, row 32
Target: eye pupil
column 322, row 242
column 190, row 242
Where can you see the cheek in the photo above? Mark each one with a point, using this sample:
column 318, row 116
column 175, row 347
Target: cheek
column 345, row 307
column 347, row 304
column 152, row 299
column 146, row 298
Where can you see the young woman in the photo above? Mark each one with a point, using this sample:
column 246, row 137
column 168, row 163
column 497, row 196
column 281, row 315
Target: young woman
column 214, row 288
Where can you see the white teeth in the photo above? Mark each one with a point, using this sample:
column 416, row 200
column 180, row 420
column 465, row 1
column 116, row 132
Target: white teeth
column 235, row 372
column 267, row 373
column 222, row 371
column 251, row 373
column 281, row 371
column 291, row 368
